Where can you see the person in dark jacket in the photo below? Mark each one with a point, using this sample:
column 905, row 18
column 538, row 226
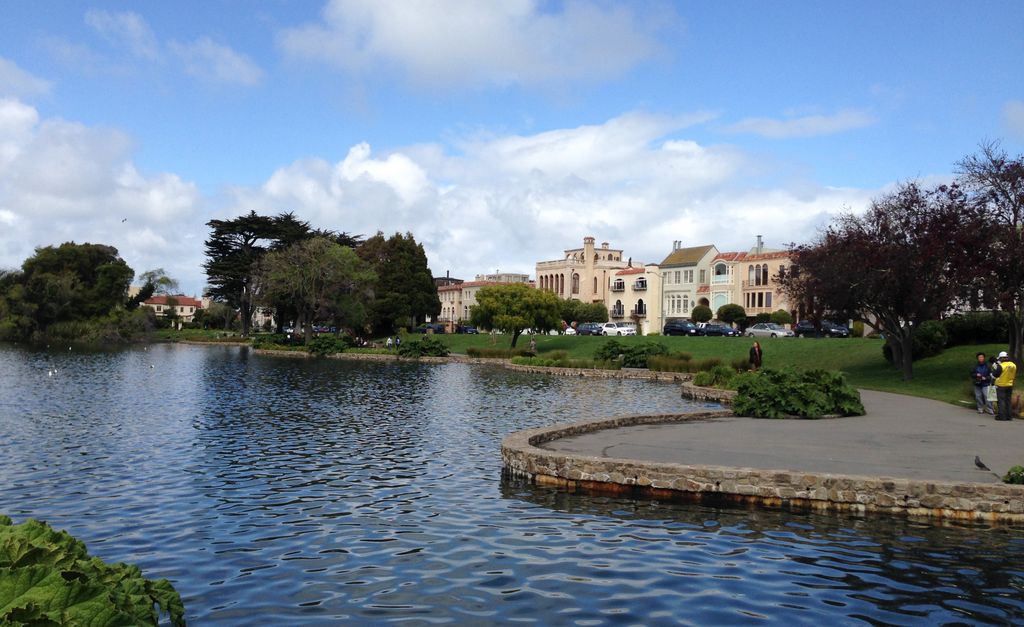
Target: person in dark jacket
column 981, row 376
column 755, row 356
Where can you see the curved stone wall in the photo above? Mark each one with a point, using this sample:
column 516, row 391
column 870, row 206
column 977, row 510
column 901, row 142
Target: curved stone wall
column 990, row 502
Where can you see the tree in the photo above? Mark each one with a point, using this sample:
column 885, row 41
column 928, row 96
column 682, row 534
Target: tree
column 405, row 293
column 234, row 251
column 162, row 283
column 701, row 313
column 901, row 262
column 995, row 183
column 321, row 279
column 572, row 310
column 514, row 307
column 218, row 315
column 781, row 316
column 731, row 313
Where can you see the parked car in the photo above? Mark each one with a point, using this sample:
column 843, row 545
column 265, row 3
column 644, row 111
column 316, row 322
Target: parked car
column 805, row 328
column 589, row 328
column 569, row 331
column 618, row 328
column 468, row 330
column 680, row 327
column 768, row 329
column 430, row 327
column 719, row 330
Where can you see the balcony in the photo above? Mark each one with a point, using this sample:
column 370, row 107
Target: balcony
column 721, row 280
column 617, row 312
column 639, row 312
column 618, row 287
column 749, row 285
column 639, row 286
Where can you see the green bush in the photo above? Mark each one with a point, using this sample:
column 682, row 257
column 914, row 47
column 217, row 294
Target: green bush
column 988, row 327
column 426, row 346
column 781, row 316
column 740, row 364
column 706, row 364
column 858, row 329
column 1015, row 475
column 785, row 393
column 609, row 351
column 636, row 356
column 717, row 377
column 701, row 313
column 929, row 339
column 48, row 578
column 326, row 345
column 669, row 363
column 556, row 355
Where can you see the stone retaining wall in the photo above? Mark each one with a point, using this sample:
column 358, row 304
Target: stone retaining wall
column 995, row 502
column 706, row 394
column 624, row 373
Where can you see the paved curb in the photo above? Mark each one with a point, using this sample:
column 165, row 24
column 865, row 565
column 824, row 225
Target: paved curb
column 522, row 457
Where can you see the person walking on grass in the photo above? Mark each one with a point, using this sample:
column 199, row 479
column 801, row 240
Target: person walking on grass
column 1004, row 386
column 755, row 356
column 982, row 378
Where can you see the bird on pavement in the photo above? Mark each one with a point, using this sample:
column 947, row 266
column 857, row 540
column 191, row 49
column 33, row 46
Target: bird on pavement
column 981, row 464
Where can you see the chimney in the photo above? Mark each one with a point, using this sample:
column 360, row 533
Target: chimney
column 447, row 274
column 760, row 245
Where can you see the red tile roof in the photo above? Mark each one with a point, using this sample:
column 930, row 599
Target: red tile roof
column 626, row 271
column 703, row 289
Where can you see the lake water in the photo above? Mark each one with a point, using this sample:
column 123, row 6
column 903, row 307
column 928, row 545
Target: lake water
column 293, row 491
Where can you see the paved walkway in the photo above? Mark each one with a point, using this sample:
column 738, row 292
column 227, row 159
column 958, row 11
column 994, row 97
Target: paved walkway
column 900, row 437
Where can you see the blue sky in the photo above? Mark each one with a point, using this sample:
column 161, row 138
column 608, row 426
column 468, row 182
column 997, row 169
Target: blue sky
column 498, row 133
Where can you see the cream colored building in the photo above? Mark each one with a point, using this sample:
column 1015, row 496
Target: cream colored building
column 634, row 294
column 184, row 306
column 686, row 275
column 457, row 301
column 582, row 273
column 504, row 277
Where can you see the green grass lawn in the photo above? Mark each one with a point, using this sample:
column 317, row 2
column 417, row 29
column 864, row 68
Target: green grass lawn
column 196, row 335
column 944, row 377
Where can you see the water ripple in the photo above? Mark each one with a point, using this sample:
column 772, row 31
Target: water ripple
column 286, row 491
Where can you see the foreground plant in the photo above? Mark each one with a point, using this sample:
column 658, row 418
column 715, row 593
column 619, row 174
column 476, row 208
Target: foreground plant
column 48, row 578
column 791, row 393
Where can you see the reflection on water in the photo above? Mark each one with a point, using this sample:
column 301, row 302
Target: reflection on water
column 314, row 491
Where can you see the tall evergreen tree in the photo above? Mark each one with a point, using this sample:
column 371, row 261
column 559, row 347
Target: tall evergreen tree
column 405, row 293
column 233, row 254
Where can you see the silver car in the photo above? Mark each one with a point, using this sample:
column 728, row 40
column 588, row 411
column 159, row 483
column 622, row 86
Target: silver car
column 768, row 329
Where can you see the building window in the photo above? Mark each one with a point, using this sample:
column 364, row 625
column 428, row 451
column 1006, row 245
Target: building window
column 768, row 299
column 575, row 283
column 677, row 277
column 760, row 299
column 688, row 276
column 703, row 276
column 764, row 274
column 595, row 285
column 686, row 304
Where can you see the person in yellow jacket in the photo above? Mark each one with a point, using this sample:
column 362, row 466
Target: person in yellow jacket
column 1004, row 386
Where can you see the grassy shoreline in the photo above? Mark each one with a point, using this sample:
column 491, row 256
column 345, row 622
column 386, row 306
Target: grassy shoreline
column 943, row 377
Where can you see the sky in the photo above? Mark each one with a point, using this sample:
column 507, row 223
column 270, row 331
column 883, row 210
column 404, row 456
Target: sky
column 498, row 133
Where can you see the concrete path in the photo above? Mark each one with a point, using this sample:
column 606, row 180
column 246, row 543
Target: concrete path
column 900, row 437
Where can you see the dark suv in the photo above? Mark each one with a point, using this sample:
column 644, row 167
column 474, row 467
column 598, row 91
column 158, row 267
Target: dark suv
column 805, row 328
column 589, row 328
column 680, row 327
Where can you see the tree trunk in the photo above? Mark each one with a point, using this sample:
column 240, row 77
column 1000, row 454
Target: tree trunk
column 1017, row 335
column 515, row 336
column 245, row 310
column 907, row 358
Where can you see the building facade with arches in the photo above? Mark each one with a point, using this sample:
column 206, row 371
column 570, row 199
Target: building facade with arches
column 635, row 296
column 582, row 274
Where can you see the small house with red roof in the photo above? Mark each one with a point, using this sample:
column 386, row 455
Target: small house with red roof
column 184, row 306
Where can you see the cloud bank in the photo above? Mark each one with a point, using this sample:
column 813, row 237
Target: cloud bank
column 464, row 42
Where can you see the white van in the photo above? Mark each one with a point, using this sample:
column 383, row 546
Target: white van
column 618, row 328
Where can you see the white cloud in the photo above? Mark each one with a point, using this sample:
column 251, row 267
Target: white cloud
column 63, row 181
column 210, row 61
column 805, row 126
column 1013, row 117
column 509, row 201
column 18, row 83
column 466, row 42
column 127, row 29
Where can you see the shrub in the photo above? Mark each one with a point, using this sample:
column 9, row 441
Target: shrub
column 326, row 345
column 653, row 333
column 731, row 313
column 717, row 377
column 929, row 339
column 762, row 317
column 49, row 578
column 701, row 313
column 609, row 351
column 1015, row 475
column 741, row 364
column 524, row 360
column 784, row 393
column 781, row 316
column 988, row 327
column 706, row 364
column 277, row 341
column 426, row 346
column 557, row 355
column 636, row 356
column 669, row 363
column 858, row 329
